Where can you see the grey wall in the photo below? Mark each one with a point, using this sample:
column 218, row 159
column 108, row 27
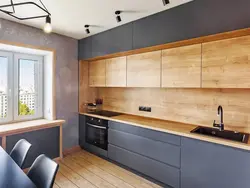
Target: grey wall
column 66, row 71
column 43, row 141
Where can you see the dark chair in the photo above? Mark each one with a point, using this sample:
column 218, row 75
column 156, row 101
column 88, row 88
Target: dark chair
column 43, row 172
column 19, row 152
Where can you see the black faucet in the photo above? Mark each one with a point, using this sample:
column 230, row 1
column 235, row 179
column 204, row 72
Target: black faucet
column 221, row 124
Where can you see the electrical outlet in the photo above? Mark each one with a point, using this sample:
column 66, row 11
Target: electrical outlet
column 144, row 108
column 141, row 108
column 147, row 109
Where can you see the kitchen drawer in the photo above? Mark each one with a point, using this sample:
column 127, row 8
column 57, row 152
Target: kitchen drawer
column 157, row 170
column 160, row 151
column 151, row 134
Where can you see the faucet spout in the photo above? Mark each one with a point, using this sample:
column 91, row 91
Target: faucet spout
column 220, row 112
column 221, row 124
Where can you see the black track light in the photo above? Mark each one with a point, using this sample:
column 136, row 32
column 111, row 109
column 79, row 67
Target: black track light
column 118, row 17
column 87, row 29
column 165, row 2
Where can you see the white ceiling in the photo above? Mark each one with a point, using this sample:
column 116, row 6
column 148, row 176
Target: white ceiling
column 70, row 16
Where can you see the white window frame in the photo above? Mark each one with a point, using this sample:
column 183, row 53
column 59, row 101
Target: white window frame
column 9, row 56
column 13, row 87
column 38, row 86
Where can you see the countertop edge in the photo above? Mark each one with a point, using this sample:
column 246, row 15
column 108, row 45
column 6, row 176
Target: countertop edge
column 27, row 126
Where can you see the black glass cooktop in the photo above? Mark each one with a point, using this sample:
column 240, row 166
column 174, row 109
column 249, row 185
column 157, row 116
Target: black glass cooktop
column 106, row 113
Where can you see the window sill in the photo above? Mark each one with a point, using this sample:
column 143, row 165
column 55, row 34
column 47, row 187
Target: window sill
column 27, row 126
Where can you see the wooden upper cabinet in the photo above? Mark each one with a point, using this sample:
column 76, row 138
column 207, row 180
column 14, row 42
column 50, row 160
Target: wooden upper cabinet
column 116, row 72
column 181, row 67
column 97, row 73
column 226, row 63
column 143, row 70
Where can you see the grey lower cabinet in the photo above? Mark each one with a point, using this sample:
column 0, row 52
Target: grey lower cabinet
column 82, row 131
column 150, row 152
column 209, row 165
column 178, row 162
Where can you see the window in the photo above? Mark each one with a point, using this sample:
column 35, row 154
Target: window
column 21, row 87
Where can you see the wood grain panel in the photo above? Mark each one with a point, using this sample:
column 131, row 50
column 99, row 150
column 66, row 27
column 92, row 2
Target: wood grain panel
column 86, row 94
column 226, row 63
column 143, row 70
column 116, row 72
column 181, row 67
column 193, row 106
column 97, row 73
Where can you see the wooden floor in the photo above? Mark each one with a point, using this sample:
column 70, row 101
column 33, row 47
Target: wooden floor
column 85, row 170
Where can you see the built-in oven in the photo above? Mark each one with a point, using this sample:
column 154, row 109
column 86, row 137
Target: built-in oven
column 97, row 132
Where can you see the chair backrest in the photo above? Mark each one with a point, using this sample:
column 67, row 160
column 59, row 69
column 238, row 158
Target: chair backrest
column 43, row 172
column 20, row 151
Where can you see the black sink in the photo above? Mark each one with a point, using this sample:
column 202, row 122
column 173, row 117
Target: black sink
column 229, row 135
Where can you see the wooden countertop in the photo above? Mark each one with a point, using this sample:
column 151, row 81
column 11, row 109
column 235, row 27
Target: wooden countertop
column 20, row 127
column 177, row 128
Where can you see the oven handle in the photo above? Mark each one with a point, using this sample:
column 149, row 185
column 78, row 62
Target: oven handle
column 99, row 127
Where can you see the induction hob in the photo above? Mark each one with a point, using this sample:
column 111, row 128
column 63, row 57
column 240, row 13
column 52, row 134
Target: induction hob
column 105, row 113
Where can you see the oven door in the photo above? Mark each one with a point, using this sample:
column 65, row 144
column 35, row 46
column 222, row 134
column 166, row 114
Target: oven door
column 97, row 135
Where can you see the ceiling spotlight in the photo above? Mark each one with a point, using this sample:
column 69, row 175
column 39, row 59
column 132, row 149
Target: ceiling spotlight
column 118, row 17
column 47, row 27
column 165, row 2
column 87, row 29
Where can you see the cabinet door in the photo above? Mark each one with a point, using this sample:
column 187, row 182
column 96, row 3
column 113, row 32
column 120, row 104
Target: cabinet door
column 181, row 67
column 166, row 174
column 82, row 131
column 209, row 165
column 85, row 48
column 116, row 72
column 118, row 39
column 97, row 73
column 143, row 70
column 159, row 151
column 226, row 63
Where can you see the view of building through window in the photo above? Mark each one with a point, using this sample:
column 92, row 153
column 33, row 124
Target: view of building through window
column 20, row 86
column 3, row 87
column 26, row 87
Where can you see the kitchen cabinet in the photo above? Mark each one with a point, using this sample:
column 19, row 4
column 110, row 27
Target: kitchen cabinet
column 143, row 70
column 153, row 153
column 181, row 67
column 116, row 72
column 157, row 170
column 160, row 151
column 207, row 165
column 85, row 48
column 118, row 39
column 97, row 73
column 82, row 131
column 226, row 63
column 147, row 133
